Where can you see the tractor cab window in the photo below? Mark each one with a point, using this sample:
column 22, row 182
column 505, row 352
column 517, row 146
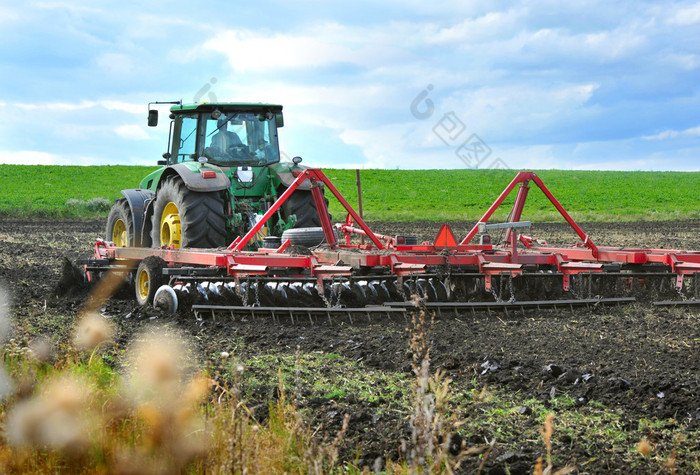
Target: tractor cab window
column 185, row 133
column 236, row 139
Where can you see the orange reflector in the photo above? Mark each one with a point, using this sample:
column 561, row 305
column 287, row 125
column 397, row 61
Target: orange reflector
column 445, row 238
column 208, row 174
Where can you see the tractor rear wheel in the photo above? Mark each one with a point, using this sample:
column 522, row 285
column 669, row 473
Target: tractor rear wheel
column 120, row 224
column 185, row 218
column 301, row 204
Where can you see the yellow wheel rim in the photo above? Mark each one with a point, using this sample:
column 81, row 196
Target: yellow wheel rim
column 142, row 285
column 119, row 237
column 170, row 234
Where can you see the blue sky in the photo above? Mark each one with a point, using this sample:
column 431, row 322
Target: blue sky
column 403, row 84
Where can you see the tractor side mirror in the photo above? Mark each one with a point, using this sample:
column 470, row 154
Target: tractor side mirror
column 279, row 119
column 152, row 117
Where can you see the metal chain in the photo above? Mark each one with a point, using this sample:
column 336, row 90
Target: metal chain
column 246, row 293
column 323, row 297
column 495, row 295
column 680, row 291
column 340, row 292
column 511, row 289
column 257, row 292
column 573, row 279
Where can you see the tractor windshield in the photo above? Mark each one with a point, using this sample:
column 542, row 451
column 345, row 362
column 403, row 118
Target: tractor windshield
column 240, row 138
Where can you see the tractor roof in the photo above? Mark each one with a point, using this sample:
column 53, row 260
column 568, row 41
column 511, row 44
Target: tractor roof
column 227, row 106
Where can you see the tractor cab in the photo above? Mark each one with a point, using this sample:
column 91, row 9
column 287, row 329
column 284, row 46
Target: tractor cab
column 221, row 174
column 225, row 134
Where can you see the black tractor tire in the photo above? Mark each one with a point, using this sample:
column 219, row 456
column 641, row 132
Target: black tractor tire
column 307, row 237
column 149, row 277
column 301, row 203
column 120, row 216
column 201, row 214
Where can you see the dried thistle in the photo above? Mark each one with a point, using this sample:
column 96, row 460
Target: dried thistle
column 644, row 447
column 41, row 349
column 157, row 367
column 91, row 331
column 166, row 403
column 56, row 418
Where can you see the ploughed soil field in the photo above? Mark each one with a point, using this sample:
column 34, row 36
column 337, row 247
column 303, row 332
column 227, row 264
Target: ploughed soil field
column 611, row 377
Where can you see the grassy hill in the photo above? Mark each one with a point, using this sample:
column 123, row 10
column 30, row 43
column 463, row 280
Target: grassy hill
column 389, row 195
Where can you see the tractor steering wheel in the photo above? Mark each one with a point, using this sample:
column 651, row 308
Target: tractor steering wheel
column 236, row 150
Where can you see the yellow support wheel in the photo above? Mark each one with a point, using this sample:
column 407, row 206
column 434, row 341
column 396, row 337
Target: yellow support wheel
column 149, row 276
column 143, row 285
column 170, row 230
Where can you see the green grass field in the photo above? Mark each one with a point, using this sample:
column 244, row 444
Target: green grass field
column 388, row 195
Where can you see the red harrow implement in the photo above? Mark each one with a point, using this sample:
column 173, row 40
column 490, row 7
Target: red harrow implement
column 383, row 273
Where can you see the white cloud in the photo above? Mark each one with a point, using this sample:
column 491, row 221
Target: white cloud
column 489, row 26
column 628, row 164
column 673, row 134
column 248, row 51
column 685, row 61
column 500, row 113
column 33, row 157
column 686, row 16
column 67, row 106
column 546, row 44
column 7, row 15
column 132, row 132
column 328, row 44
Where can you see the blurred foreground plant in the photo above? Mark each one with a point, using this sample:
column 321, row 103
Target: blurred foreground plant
column 160, row 416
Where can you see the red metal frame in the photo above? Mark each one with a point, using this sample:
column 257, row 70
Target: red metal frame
column 407, row 260
column 524, row 178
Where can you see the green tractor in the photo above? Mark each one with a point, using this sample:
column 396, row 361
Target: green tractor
column 222, row 173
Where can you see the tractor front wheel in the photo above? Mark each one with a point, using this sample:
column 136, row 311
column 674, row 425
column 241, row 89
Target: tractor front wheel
column 120, row 224
column 185, row 218
column 301, row 204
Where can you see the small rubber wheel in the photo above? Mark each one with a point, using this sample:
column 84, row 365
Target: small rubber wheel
column 308, row 237
column 149, row 277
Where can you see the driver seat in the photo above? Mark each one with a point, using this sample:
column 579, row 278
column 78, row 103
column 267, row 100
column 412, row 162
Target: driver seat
column 223, row 139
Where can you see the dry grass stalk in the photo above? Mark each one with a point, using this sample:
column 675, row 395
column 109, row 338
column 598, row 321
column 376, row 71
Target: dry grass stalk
column 547, row 432
column 107, row 286
column 428, row 450
column 284, row 445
